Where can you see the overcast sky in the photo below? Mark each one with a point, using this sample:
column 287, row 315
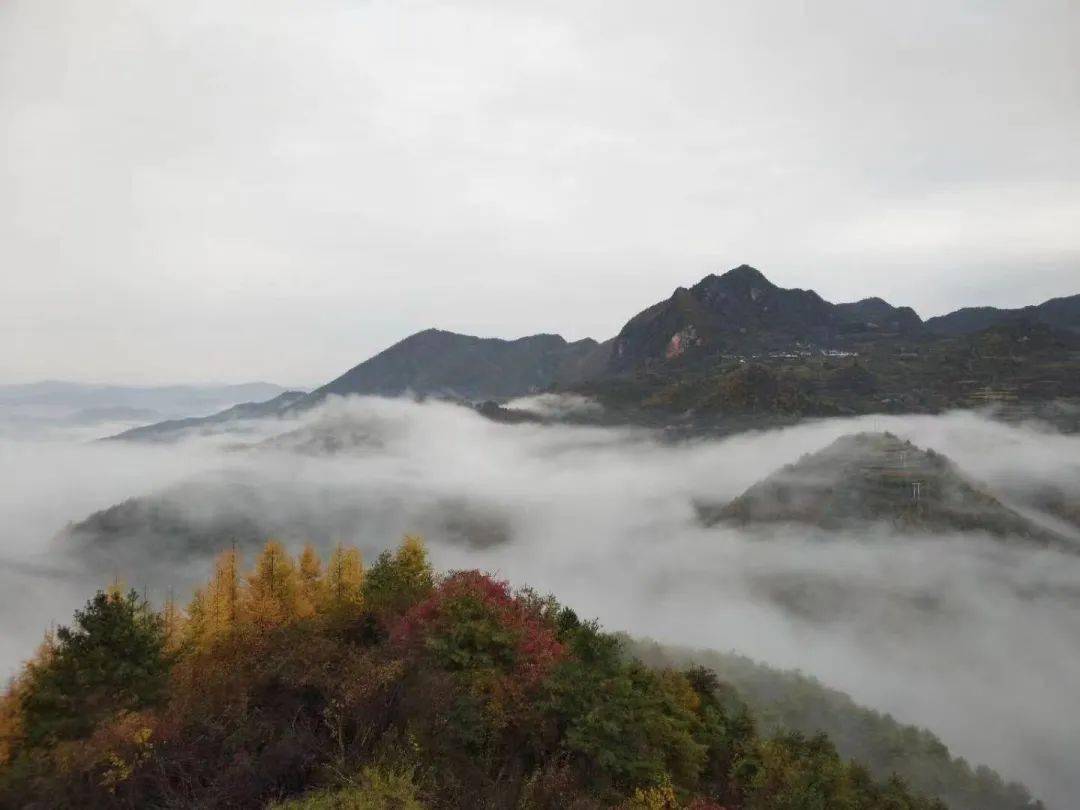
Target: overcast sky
column 241, row 189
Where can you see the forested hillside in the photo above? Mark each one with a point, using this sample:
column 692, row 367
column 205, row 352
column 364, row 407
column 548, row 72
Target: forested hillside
column 785, row 701
column 868, row 477
column 304, row 685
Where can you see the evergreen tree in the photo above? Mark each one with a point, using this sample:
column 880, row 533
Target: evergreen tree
column 400, row 579
column 112, row 659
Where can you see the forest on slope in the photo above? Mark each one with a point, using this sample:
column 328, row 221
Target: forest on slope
column 790, row 701
column 304, row 685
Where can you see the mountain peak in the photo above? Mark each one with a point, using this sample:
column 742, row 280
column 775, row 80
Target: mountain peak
column 745, row 271
column 739, row 311
column 865, row 478
column 743, row 275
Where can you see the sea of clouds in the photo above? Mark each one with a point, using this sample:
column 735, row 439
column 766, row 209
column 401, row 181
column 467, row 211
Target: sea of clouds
column 976, row 639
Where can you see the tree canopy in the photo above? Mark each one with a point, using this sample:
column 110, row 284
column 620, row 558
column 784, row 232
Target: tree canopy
column 300, row 685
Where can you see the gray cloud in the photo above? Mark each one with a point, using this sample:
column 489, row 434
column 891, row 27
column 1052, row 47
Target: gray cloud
column 279, row 190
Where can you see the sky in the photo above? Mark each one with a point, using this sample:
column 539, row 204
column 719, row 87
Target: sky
column 259, row 189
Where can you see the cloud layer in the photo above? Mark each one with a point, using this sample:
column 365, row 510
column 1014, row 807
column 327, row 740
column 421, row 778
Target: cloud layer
column 969, row 637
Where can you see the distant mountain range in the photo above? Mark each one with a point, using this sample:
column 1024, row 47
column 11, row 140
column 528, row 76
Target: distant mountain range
column 61, row 407
column 58, row 397
column 735, row 349
column 163, row 431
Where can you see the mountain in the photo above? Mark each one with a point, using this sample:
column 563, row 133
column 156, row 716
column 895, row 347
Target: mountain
column 867, row 478
column 112, row 413
column 736, row 351
column 1019, row 370
column 176, row 428
column 430, row 363
column 874, row 314
column 439, row 363
column 743, row 312
column 1063, row 313
column 167, row 528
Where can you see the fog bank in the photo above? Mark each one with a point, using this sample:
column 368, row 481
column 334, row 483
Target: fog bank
column 968, row 636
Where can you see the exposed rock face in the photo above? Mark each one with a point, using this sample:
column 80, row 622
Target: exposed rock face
column 681, row 341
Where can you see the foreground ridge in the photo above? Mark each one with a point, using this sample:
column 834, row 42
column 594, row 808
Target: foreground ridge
column 308, row 685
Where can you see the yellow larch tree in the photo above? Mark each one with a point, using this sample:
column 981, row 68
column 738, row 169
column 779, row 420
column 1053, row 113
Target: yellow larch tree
column 412, row 561
column 311, row 579
column 274, row 594
column 343, row 587
column 214, row 610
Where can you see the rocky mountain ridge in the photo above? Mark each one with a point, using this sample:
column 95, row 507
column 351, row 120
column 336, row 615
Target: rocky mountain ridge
column 681, row 357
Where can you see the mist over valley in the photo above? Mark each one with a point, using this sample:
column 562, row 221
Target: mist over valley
column 929, row 624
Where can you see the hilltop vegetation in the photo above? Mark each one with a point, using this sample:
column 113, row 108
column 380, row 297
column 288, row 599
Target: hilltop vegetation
column 305, row 685
column 865, row 478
